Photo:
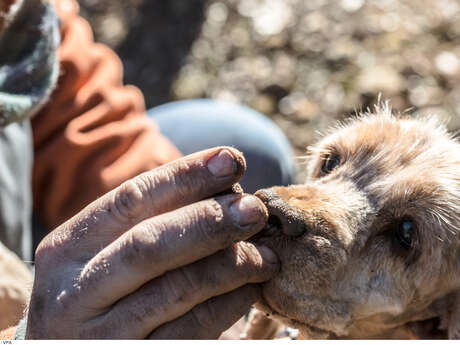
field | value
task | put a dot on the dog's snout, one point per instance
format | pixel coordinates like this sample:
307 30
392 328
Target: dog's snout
266 195
281 215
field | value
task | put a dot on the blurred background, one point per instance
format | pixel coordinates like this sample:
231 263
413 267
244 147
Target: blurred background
304 63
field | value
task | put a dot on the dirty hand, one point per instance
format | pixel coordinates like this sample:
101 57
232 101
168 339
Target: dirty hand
155 258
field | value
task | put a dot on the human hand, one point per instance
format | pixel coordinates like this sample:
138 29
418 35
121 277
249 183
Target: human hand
155 258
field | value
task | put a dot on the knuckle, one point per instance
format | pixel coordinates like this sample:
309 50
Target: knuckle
205 315
46 253
90 275
178 289
136 248
191 283
210 222
173 182
127 202
183 178
191 176
148 183
247 259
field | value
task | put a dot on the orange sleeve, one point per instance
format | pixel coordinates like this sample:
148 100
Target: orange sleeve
94 133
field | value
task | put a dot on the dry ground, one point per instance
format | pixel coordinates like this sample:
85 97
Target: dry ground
303 63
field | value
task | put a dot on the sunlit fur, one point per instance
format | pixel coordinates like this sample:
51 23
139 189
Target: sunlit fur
346 276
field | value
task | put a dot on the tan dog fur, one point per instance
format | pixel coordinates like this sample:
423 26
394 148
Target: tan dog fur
346 274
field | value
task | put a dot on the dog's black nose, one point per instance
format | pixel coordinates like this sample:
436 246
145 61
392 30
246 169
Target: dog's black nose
286 218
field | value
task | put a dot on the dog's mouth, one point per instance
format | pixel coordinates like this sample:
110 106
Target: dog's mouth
273 236
271 229
307 329
281 232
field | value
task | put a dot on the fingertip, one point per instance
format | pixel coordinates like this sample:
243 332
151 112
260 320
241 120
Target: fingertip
268 255
225 162
240 160
248 211
236 153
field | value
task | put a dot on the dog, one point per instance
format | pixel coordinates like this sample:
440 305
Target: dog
370 245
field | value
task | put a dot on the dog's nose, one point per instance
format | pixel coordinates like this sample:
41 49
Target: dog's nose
281 215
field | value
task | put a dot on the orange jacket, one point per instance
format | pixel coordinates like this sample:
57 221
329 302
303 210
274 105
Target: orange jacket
94 133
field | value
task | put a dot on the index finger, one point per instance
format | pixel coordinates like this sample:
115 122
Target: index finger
171 186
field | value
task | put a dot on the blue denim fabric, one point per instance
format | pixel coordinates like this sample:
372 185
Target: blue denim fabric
195 125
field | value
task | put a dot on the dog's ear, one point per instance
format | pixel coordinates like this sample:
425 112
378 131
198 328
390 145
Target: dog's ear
453 319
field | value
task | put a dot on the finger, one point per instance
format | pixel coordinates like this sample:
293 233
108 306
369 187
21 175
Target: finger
166 188
211 318
169 241
168 297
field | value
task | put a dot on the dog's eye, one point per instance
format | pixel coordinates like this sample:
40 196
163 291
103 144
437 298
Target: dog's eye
405 233
330 163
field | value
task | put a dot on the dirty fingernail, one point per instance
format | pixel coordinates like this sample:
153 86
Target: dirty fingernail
223 164
247 210
268 254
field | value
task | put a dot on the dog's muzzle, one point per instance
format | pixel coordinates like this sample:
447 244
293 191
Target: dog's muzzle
282 217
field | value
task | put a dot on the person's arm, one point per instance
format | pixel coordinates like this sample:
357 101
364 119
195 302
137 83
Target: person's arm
94 133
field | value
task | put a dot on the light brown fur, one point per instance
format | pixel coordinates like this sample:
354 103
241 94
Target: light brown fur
344 273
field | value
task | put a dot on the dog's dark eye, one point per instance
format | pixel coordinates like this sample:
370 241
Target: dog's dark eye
330 163
405 233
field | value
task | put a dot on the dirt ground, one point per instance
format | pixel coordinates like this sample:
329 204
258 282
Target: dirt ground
305 64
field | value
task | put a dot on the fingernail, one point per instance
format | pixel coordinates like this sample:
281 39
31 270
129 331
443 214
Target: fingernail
247 210
268 254
222 164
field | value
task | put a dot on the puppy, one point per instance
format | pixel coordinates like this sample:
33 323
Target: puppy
369 245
